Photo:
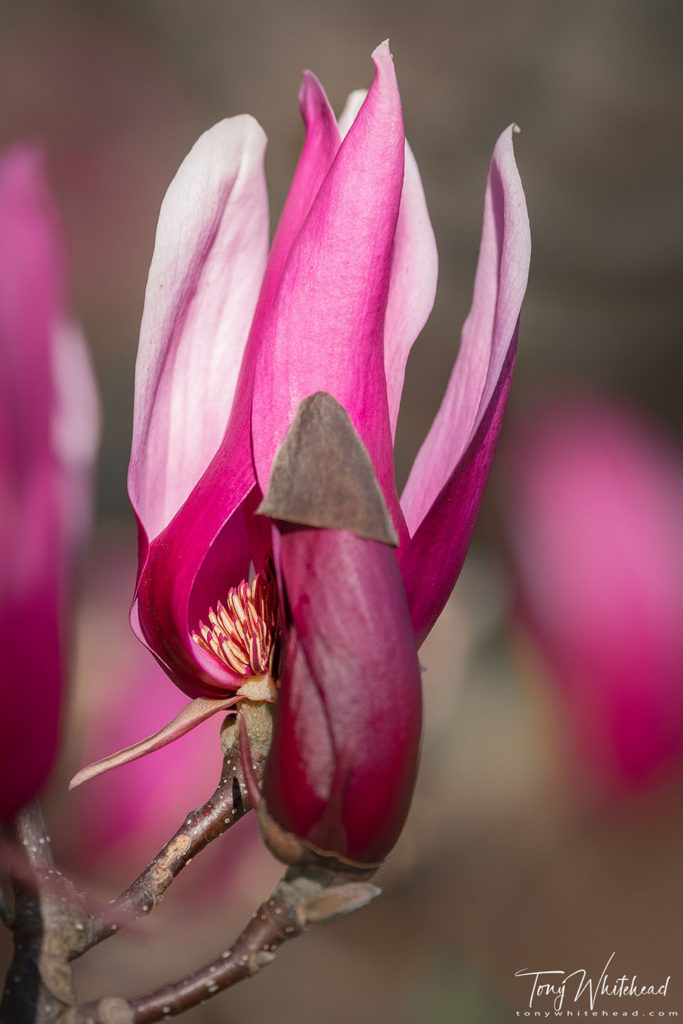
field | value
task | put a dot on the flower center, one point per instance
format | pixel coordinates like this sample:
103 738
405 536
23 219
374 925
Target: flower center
241 633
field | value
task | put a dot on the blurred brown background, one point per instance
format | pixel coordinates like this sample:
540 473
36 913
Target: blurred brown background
503 866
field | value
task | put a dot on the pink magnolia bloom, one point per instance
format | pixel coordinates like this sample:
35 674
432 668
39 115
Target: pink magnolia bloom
48 431
297 358
594 515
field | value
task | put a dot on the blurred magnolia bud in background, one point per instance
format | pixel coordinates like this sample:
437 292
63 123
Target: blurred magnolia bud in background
593 512
49 428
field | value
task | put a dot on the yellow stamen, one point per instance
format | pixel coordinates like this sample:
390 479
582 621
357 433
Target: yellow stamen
241 633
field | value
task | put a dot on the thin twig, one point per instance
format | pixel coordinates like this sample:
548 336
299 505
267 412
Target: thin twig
303 896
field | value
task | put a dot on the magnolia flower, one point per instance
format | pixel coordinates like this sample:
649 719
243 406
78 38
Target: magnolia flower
593 515
48 433
267 396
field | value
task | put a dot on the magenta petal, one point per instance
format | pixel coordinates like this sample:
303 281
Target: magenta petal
188 569
444 490
204 280
342 766
40 477
319 150
414 270
594 507
324 330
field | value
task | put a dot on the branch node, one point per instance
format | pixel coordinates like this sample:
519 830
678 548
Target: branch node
113 1010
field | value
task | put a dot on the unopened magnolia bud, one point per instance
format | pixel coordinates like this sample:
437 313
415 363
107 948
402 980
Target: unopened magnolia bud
341 769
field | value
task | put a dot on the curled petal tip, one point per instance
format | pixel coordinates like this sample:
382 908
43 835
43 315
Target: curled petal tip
308 80
382 54
307 83
313 102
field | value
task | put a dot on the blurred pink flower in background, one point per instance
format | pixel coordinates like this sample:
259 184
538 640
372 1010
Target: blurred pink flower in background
594 518
48 437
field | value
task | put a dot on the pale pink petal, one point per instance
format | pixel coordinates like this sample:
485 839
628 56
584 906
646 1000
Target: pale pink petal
75 430
204 281
412 289
354 101
444 490
324 330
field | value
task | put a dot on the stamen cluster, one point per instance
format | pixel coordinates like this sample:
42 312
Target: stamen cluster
241 632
